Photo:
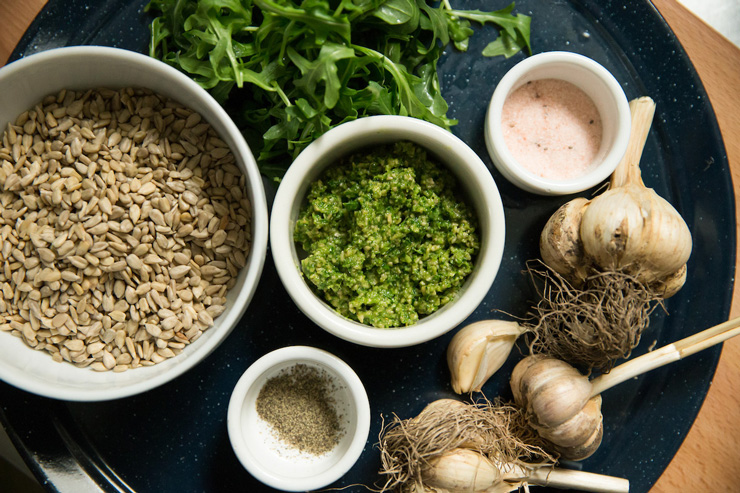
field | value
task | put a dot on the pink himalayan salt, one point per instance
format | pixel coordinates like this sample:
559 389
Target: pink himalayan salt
552 128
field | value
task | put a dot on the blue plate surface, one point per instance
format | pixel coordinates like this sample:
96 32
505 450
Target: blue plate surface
174 438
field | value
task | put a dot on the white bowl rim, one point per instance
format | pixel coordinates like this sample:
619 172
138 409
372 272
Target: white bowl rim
287 354
257 254
528 180
282 244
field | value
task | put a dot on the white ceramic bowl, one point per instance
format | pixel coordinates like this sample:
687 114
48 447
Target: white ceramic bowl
23 84
276 464
472 175
593 79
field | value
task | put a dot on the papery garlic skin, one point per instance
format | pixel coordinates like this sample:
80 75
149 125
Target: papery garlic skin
559 405
441 406
550 390
632 228
584 450
560 242
461 470
577 430
478 350
670 285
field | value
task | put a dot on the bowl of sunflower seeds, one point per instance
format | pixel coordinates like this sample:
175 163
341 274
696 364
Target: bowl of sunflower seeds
133 223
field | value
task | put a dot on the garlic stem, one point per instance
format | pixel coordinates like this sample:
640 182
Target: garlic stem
628 169
577 480
667 354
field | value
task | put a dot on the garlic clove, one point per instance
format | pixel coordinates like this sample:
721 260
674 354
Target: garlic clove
461 470
560 242
478 350
518 374
442 406
585 450
671 284
577 430
551 391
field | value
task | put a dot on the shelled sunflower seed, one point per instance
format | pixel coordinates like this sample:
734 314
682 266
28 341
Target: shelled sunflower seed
123 224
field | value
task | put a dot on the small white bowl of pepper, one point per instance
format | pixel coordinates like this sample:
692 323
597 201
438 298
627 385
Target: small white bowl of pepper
298 418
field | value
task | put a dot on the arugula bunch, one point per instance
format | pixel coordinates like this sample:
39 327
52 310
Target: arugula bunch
291 70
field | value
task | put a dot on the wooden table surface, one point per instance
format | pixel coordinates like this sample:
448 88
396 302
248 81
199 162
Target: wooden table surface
709 459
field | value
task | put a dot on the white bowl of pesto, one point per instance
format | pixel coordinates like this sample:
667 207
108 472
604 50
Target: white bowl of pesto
375 295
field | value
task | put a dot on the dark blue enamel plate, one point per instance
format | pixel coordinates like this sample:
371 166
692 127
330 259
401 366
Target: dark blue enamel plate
174 439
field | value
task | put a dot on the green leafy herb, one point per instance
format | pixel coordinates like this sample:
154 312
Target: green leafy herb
288 70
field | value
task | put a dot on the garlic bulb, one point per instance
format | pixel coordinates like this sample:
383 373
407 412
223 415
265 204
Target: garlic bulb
670 285
478 350
461 470
560 243
629 227
579 429
558 401
585 449
549 389
465 471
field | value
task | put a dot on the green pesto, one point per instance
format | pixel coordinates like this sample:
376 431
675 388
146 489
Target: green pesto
388 240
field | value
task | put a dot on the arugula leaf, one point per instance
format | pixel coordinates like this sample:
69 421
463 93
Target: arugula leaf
403 15
317 16
323 68
516 28
288 70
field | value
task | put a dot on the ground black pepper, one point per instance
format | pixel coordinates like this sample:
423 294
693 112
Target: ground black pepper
299 406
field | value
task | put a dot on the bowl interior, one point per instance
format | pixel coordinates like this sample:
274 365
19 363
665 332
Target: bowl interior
475 184
24 84
590 83
272 461
598 84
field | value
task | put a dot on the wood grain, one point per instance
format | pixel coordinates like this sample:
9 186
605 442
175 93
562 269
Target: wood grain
16 16
709 459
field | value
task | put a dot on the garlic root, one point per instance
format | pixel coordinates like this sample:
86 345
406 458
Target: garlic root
478 350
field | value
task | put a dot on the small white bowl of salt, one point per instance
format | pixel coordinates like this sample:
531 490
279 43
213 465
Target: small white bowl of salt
558 123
